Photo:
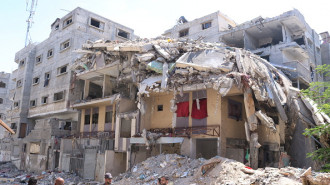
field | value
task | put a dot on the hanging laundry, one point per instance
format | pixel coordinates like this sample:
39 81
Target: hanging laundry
202 111
182 109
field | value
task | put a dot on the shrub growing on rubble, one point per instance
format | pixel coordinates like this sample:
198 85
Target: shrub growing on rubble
320 93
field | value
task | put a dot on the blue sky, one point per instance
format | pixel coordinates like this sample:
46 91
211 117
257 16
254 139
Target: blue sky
149 18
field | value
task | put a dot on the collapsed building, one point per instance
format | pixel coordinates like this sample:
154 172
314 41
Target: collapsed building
286 41
45 88
110 105
187 97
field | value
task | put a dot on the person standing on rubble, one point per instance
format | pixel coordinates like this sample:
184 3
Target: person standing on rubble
163 180
107 179
59 181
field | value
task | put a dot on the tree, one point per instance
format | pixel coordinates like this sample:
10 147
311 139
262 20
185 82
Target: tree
320 93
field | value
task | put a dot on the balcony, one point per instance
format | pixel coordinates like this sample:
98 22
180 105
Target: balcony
298 72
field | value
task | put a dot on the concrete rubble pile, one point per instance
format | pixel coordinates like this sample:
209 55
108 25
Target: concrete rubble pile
168 65
218 170
9 174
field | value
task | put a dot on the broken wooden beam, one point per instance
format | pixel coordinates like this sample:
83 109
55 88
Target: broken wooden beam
4 125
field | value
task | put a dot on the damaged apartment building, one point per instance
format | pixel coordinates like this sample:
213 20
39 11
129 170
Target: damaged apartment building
45 88
5 104
92 107
187 97
286 41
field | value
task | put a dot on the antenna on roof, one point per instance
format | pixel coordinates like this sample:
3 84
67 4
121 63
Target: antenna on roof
32 10
65 10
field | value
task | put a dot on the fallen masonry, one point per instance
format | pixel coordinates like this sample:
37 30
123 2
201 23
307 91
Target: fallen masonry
177 95
219 170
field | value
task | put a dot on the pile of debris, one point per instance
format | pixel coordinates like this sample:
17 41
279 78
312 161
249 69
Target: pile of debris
180 65
9 174
218 170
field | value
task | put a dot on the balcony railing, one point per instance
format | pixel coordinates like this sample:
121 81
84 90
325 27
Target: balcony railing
97 134
209 130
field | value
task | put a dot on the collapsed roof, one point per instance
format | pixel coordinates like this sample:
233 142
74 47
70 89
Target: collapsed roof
167 65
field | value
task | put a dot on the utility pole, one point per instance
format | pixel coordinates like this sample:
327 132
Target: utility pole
33 6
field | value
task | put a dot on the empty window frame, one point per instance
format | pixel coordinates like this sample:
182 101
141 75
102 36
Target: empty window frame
1 101
67 22
206 25
160 108
234 110
96 23
184 32
13 126
64 45
87 116
47 79
95 116
33 103
2 84
21 63
58 96
16 104
123 34
44 100
1 116
57 27
35 80
50 53
38 59
62 70
19 83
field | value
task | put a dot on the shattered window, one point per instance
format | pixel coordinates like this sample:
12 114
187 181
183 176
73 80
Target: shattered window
206 25
59 96
234 110
44 99
95 117
35 80
19 83
184 33
16 104
2 84
47 78
38 59
65 45
32 103
50 53
123 33
67 22
21 63
62 70
96 23
87 117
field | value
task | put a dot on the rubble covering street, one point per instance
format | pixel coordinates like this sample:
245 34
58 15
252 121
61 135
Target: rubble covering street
183 170
9 174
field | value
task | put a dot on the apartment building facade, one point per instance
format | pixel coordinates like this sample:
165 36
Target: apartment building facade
45 87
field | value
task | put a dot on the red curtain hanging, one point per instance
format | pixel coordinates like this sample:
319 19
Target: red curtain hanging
202 112
182 109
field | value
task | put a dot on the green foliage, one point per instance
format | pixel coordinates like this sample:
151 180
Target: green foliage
320 93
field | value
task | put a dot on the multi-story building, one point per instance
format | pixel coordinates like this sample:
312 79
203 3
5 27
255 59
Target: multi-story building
204 28
286 41
5 103
45 88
